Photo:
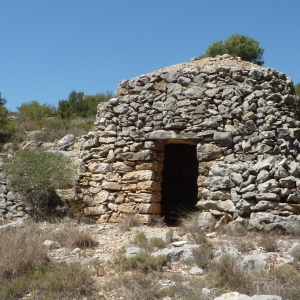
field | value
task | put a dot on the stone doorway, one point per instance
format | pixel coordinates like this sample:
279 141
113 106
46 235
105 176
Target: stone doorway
179 181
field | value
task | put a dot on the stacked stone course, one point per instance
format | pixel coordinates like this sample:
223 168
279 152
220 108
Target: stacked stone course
243 118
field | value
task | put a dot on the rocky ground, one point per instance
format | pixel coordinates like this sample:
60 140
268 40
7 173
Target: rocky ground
252 251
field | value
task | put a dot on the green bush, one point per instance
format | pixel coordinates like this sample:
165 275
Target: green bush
140 240
35 175
55 128
143 261
11 132
35 112
226 275
150 244
237 45
297 89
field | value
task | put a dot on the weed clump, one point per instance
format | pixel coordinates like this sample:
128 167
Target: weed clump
69 235
190 226
143 262
25 268
203 255
268 242
49 281
150 244
21 249
127 221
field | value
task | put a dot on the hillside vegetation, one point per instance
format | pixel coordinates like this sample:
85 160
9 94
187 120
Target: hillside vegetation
74 115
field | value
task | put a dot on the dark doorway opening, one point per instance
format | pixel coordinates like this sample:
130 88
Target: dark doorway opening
179 181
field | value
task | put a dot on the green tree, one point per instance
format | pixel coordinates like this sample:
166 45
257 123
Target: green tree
3 112
2 100
64 110
79 105
297 89
237 45
34 111
35 175
7 128
92 101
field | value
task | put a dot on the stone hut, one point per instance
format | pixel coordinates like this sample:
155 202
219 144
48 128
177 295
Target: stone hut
217 134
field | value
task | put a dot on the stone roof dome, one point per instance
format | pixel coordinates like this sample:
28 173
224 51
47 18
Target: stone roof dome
228 126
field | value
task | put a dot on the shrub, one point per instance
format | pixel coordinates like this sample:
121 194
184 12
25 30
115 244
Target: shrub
140 240
143 262
203 255
268 242
150 244
156 243
35 112
225 274
35 175
245 245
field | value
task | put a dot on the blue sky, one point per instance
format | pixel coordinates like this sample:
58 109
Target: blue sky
48 48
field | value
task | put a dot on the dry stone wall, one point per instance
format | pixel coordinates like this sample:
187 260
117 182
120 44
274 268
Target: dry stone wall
243 120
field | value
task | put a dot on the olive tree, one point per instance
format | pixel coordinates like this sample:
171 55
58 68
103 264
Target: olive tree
36 174
237 45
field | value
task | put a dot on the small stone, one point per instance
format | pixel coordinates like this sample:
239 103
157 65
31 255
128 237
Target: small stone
196 271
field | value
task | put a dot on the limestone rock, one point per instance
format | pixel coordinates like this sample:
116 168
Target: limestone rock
136 176
220 205
218 182
66 142
208 152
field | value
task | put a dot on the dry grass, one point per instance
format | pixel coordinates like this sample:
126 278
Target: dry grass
158 221
134 286
151 286
203 255
20 249
69 235
50 281
25 267
226 275
236 230
127 221
268 242
189 225
244 245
